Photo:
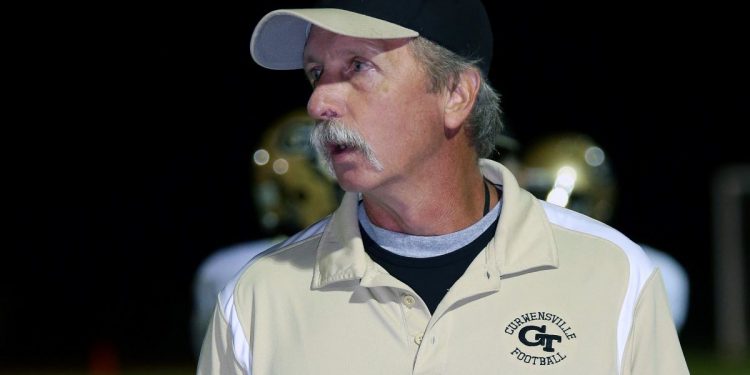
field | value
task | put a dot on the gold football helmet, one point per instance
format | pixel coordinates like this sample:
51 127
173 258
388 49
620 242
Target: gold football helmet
291 188
571 170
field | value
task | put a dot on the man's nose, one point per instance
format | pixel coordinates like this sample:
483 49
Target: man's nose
328 100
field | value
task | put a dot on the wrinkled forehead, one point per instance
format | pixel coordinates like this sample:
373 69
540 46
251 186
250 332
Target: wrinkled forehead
322 43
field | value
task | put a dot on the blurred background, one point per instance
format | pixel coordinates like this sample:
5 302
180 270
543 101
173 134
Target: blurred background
131 129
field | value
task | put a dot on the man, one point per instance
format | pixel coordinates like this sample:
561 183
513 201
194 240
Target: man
418 271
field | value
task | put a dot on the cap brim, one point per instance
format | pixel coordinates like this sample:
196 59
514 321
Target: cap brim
279 39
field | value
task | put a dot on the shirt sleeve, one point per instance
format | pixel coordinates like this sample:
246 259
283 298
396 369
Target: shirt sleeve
653 347
217 355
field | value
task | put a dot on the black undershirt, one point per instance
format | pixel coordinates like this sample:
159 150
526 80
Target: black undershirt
429 277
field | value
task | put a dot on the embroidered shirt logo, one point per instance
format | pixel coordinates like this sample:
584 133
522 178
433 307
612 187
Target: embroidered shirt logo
542 335
541 338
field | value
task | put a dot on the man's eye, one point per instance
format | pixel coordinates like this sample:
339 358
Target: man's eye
358 65
314 74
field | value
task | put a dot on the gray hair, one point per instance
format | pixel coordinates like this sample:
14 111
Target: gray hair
444 69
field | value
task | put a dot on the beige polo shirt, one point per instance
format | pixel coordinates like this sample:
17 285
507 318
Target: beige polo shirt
554 292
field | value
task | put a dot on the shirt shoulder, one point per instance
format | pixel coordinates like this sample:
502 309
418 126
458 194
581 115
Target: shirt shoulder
584 230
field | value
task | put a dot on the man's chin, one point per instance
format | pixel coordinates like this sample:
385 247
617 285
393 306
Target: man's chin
354 177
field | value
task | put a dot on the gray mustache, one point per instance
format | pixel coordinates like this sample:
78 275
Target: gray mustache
335 133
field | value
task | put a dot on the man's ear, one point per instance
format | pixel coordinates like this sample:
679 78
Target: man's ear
460 100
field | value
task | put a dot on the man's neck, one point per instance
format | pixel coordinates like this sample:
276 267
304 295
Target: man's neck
432 206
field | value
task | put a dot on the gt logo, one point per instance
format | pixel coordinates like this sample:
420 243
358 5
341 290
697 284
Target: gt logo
540 338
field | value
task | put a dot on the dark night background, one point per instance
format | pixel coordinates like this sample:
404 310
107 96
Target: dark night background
128 149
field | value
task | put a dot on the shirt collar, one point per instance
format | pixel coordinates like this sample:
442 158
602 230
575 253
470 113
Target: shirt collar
523 240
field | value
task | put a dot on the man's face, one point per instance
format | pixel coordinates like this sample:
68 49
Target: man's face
375 90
